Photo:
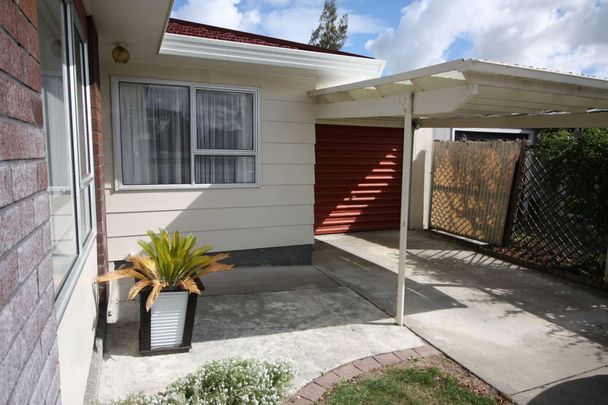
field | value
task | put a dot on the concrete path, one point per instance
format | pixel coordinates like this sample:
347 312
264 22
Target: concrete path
533 336
293 313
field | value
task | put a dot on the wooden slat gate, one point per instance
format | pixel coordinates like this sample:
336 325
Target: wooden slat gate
471 188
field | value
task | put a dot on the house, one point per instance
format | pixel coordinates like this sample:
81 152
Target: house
209 131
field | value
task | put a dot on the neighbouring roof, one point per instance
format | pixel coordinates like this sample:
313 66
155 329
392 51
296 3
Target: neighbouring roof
193 29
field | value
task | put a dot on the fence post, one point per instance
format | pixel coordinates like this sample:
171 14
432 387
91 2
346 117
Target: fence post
431 179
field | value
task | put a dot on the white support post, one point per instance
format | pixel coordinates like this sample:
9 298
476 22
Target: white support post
408 135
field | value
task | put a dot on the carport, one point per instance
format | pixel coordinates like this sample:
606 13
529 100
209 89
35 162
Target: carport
464 93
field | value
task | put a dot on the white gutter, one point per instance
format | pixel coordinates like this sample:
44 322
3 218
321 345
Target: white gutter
205 48
167 18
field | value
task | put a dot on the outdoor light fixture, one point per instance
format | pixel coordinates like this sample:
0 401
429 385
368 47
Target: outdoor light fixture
120 54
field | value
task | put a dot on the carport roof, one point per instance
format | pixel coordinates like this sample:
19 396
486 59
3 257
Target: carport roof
473 93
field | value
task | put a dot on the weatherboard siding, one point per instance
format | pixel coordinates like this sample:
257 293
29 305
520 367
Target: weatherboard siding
205 219
162 200
277 213
239 239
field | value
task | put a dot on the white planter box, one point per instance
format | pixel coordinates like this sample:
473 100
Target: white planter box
167 320
168 326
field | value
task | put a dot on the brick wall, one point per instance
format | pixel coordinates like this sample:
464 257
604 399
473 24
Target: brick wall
28 344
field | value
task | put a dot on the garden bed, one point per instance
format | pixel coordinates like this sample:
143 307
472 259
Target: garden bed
430 380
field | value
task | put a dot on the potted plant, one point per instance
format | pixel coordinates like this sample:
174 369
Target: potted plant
168 283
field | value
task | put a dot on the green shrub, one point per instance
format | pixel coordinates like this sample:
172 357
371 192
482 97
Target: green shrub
577 163
171 261
224 382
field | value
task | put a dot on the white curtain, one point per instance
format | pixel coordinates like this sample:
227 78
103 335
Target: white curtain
224 169
224 120
155 134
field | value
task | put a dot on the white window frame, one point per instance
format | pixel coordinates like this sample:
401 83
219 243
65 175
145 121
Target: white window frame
192 87
83 182
70 22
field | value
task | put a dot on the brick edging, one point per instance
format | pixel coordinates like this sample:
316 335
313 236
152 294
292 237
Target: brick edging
314 390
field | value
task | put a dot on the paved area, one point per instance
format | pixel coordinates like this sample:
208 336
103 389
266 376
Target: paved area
533 336
293 313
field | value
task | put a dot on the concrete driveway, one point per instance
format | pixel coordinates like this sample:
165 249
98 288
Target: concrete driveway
292 313
533 336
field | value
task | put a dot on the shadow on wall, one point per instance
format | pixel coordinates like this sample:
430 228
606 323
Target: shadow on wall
377 178
191 211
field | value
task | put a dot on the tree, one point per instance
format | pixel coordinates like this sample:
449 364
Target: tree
329 34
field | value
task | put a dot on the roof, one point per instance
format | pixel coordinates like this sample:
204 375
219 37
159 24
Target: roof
193 29
463 93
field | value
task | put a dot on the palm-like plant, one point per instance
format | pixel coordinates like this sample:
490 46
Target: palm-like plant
171 261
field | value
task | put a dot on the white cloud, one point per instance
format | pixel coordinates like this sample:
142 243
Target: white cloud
284 3
222 13
286 19
293 23
362 24
568 35
297 22
277 3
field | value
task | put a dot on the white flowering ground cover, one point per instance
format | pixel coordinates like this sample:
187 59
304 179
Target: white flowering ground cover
224 382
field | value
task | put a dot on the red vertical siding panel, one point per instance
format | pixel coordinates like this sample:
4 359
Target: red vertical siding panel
357 178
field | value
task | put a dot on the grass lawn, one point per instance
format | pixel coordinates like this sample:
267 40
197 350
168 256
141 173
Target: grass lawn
421 382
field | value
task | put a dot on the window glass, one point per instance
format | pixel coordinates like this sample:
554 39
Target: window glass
224 169
81 108
58 139
85 211
224 120
155 134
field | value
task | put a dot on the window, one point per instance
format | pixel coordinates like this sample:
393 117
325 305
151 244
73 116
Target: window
66 112
224 151
155 134
184 135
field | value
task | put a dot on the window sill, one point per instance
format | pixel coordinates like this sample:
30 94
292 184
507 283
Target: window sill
183 187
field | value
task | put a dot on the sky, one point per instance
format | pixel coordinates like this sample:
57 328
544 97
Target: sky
564 35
